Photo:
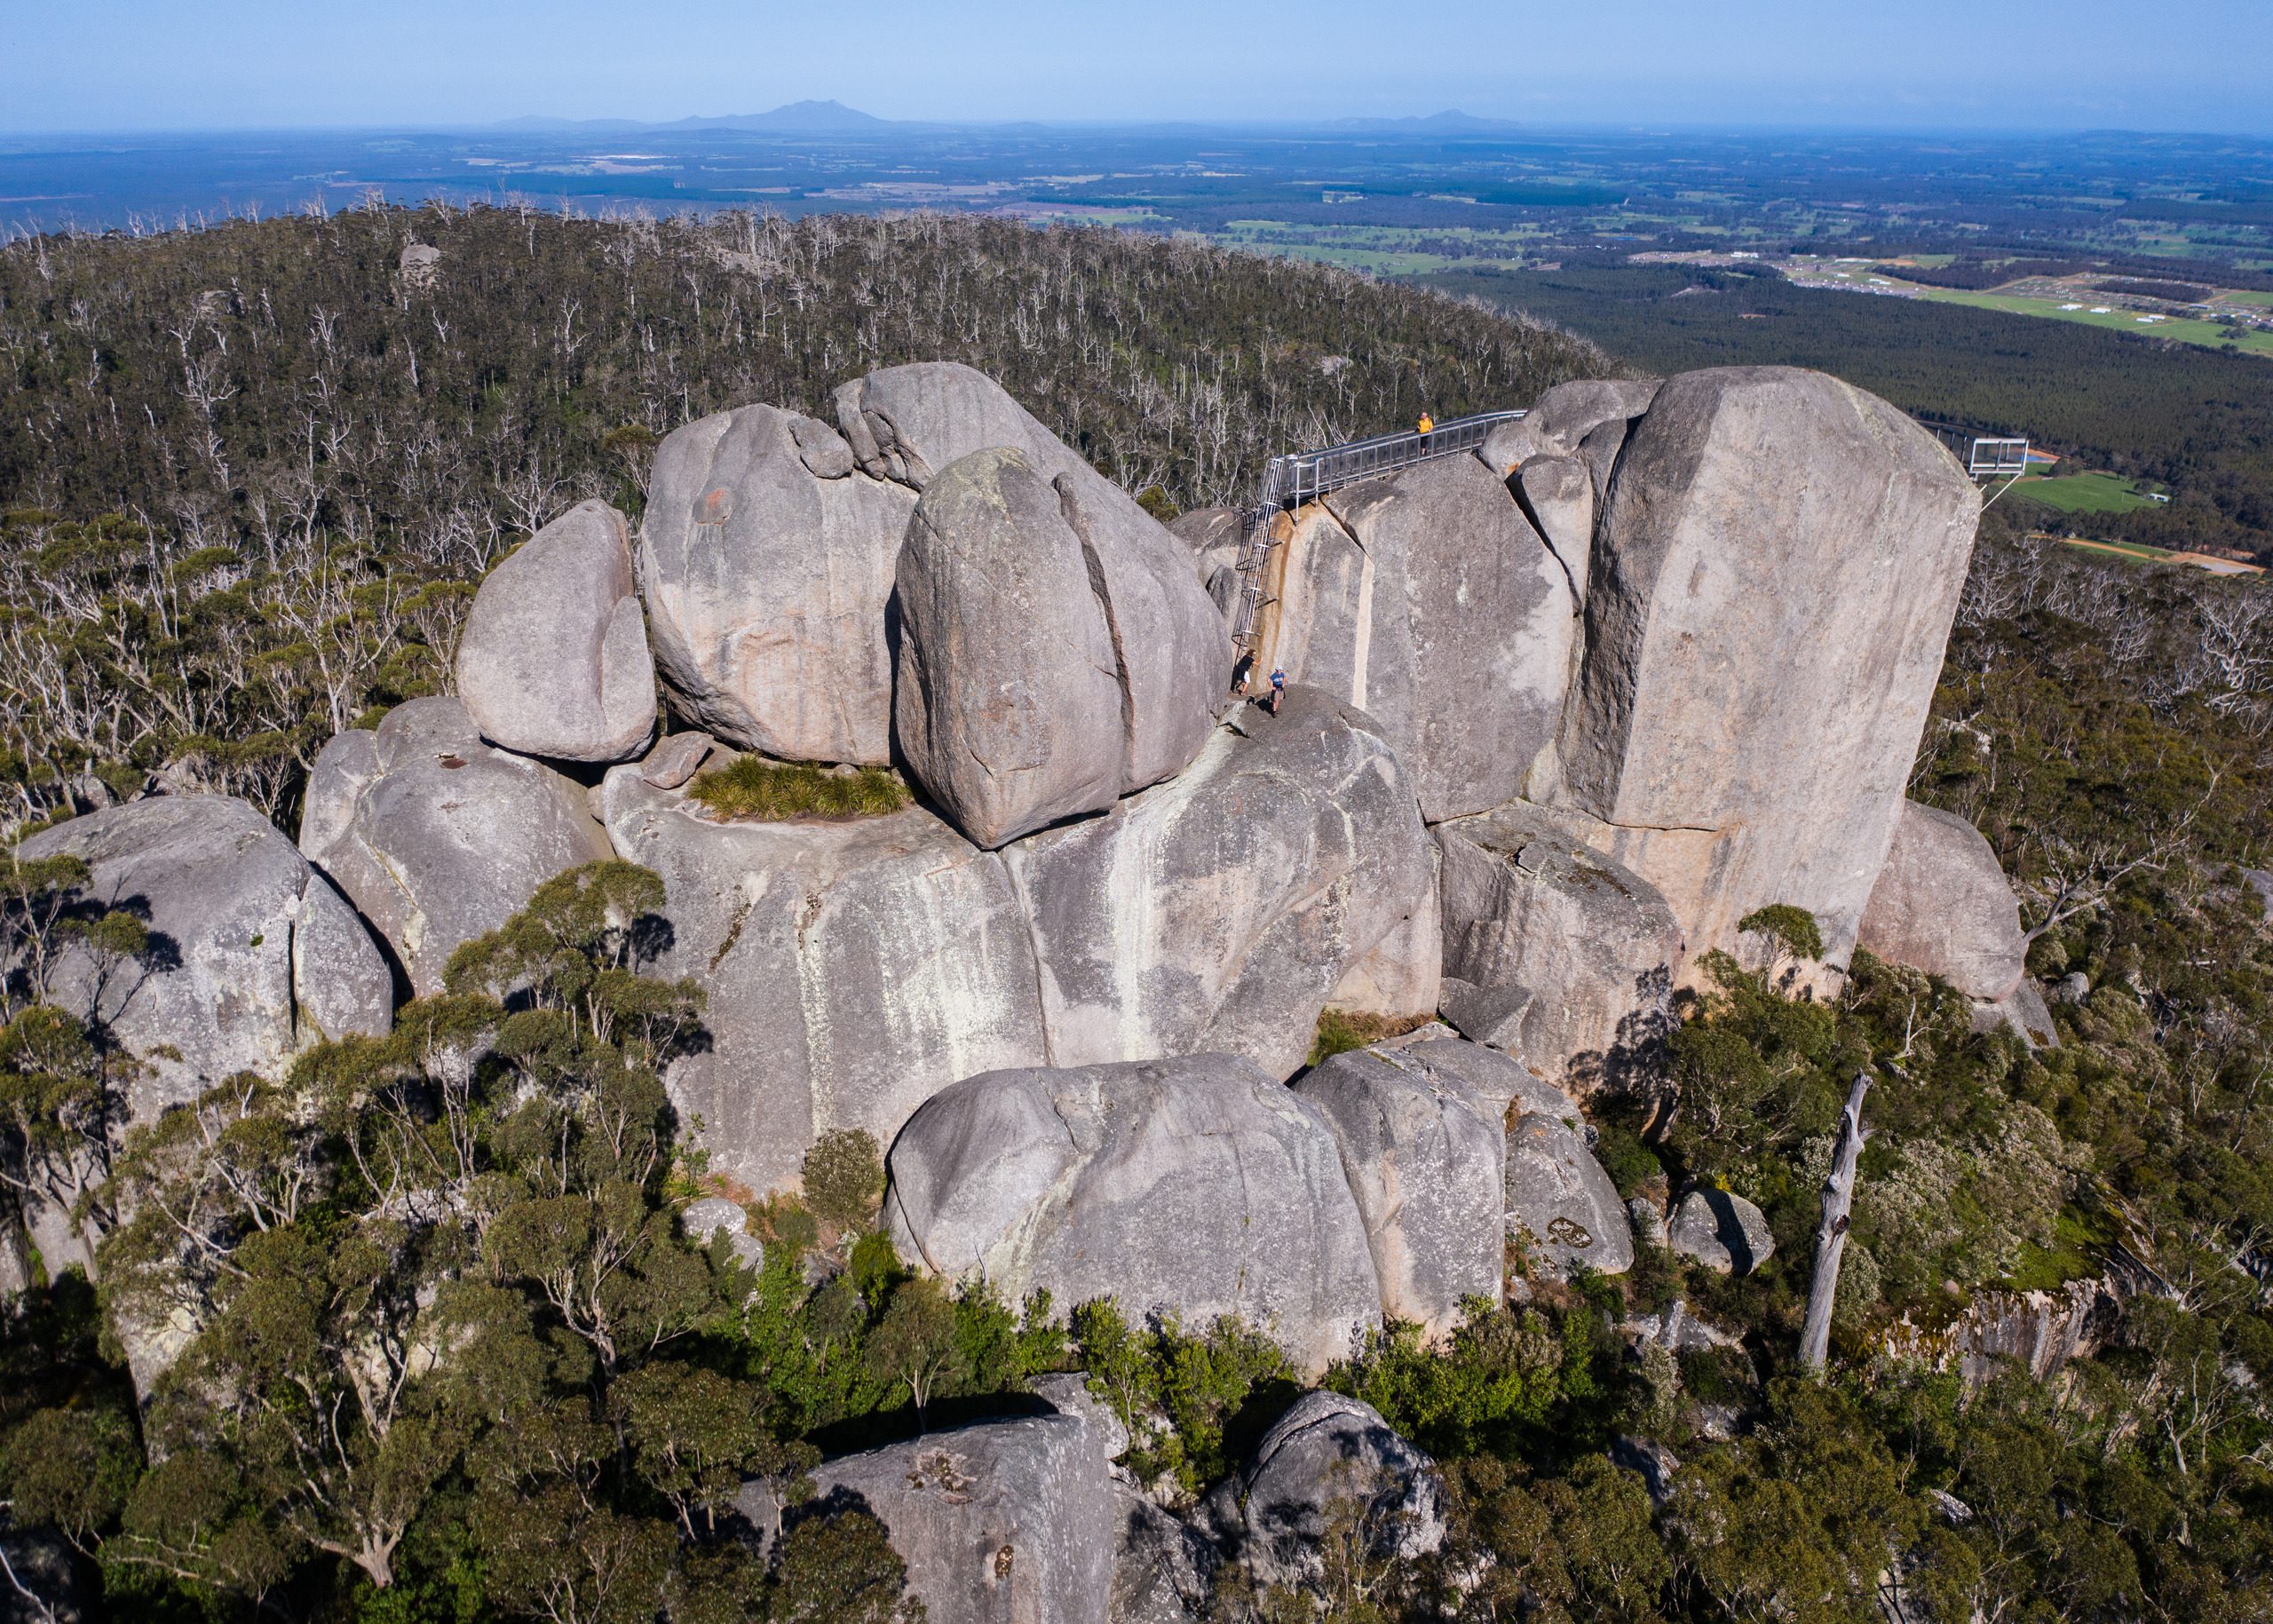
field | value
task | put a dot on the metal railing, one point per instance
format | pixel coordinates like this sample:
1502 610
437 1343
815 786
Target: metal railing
1304 476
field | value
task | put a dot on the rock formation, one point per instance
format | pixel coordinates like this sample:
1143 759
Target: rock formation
853 969
553 660
768 561
1528 908
1427 600
1561 1205
1425 1157
437 838
1773 579
1721 1230
1327 1449
1009 1519
1056 653
254 955
1941 905
1219 911
1197 1187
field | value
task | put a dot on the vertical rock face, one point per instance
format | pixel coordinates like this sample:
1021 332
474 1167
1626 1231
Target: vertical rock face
1056 650
1526 904
1425 1157
1427 599
1772 583
1941 905
254 958
768 561
853 969
437 838
554 659
1220 911
1004 1522
1198 1186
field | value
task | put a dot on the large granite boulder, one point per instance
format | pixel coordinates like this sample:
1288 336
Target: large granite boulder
1721 1230
254 956
1328 1449
1220 911
853 969
908 424
768 560
437 838
1560 1202
553 660
1002 1522
1941 905
1426 599
1425 1157
1526 904
1772 583
1568 413
1196 1187
1056 651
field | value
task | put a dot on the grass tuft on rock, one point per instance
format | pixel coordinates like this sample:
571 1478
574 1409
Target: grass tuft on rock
750 789
1340 1031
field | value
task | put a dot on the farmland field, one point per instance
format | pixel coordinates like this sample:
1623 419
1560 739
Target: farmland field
2084 493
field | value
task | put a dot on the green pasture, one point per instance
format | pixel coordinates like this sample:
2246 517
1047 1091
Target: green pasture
2082 493
2182 329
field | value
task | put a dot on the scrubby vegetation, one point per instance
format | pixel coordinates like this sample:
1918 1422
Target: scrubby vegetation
249 475
754 789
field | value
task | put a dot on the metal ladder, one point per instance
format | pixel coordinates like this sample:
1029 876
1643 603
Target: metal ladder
1289 481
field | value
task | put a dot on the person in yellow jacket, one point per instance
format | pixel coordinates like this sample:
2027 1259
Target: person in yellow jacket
1427 422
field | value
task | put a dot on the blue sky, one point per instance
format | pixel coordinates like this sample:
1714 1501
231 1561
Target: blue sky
2199 65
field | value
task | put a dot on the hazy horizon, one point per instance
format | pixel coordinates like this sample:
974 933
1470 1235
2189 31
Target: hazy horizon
113 67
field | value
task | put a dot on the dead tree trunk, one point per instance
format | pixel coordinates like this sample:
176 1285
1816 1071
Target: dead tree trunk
1831 1231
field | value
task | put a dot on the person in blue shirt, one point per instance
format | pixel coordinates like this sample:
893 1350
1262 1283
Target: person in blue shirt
1278 688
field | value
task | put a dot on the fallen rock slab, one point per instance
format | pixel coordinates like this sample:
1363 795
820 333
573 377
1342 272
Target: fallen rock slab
553 660
1219 911
437 838
254 956
1943 905
1527 905
1425 1157
853 969
768 560
1196 1187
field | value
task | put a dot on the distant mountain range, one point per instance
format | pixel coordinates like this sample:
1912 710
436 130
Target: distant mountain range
834 118
797 118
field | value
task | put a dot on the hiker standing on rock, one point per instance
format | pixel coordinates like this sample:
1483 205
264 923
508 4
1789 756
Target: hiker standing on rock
1278 688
